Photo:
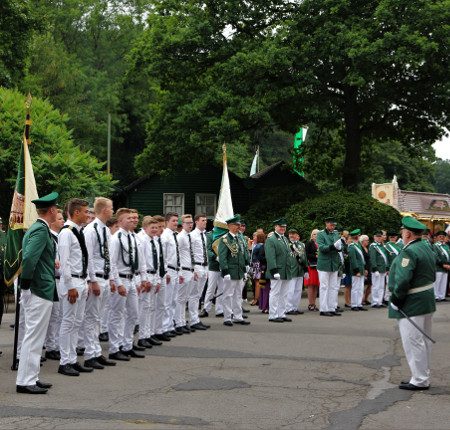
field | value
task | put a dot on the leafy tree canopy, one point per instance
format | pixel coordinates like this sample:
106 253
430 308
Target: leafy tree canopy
222 71
442 177
59 164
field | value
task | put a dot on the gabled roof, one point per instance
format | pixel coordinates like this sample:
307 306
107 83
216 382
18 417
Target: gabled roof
267 170
424 203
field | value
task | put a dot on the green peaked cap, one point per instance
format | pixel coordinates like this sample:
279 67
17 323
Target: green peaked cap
281 221
412 224
236 219
46 201
355 232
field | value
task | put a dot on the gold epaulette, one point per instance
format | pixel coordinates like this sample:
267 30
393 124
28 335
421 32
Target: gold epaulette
270 234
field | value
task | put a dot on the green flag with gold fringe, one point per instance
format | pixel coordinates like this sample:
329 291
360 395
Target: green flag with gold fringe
23 212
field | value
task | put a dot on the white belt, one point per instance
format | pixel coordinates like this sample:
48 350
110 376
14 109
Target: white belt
420 289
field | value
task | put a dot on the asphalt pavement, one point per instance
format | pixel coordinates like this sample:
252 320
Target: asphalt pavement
312 373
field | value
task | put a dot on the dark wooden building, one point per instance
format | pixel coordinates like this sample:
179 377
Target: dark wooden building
198 192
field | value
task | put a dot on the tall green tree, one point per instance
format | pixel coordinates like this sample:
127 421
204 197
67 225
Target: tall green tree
442 176
224 70
17 27
59 164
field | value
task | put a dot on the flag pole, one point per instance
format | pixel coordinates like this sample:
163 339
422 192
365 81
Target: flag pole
26 138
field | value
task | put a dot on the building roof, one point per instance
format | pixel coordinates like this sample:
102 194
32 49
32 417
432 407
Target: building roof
429 204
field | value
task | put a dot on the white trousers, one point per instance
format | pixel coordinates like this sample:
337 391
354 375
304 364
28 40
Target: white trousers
215 280
328 290
170 302
386 290
417 348
105 313
52 337
195 293
232 296
184 291
160 308
357 291
440 285
294 294
277 298
378 281
37 313
92 320
123 317
147 309
72 317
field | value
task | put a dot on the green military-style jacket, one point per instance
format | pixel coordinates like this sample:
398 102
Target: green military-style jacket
328 259
393 250
245 246
38 261
213 264
411 280
277 255
232 257
356 259
379 258
298 263
442 253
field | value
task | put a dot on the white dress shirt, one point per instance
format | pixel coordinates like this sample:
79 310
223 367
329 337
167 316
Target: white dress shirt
169 248
96 262
185 249
199 246
118 265
70 255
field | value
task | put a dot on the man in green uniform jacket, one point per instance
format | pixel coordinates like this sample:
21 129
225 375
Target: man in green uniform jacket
38 290
278 271
442 252
232 265
411 285
357 271
328 262
379 265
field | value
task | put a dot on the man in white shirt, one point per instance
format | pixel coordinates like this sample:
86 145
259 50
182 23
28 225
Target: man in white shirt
200 257
74 261
124 301
52 338
172 257
98 243
187 272
147 298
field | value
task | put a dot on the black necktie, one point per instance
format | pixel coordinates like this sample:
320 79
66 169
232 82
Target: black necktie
162 271
205 258
106 252
155 256
190 250
178 253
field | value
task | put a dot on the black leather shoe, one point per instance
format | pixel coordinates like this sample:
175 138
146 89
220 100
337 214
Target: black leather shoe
243 322
338 309
80 351
228 323
185 330
68 370
203 314
356 309
299 312
277 320
169 334
362 308
327 314
191 329
43 359
52 355
199 326
162 337
244 316
30 389
291 313
132 353
144 343
404 382
136 329
412 387
153 341
347 306
138 347
286 319
205 325
104 362
119 355
45 385
103 337
219 315
77 366
336 314
245 311
93 363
